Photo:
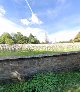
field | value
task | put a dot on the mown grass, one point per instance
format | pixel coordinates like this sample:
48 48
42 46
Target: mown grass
31 52
48 82
25 53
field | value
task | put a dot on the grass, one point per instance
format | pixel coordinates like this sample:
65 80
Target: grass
48 82
30 52
24 53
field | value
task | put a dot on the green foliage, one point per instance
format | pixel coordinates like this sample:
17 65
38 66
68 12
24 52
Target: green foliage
9 41
5 37
17 38
47 82
33 39
1 41
77 38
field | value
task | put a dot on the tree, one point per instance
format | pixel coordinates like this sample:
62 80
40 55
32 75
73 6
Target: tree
20 39
9 41
33 39
6 39
77 38
1 40
17 38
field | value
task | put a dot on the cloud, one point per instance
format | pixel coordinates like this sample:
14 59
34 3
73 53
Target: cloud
38 32
25 22
2 11
63 35
8 26
35 19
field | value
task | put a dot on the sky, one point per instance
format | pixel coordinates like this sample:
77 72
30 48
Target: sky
58 19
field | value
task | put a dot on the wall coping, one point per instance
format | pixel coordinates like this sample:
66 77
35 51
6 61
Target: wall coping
13 58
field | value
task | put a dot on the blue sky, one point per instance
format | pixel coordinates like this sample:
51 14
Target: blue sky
59 19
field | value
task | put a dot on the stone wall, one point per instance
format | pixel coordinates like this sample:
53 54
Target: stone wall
19 67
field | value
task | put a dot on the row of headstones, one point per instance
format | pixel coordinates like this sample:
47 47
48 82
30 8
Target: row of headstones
55 47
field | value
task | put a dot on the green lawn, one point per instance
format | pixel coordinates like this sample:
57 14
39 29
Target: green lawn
49 82
30 52
25 53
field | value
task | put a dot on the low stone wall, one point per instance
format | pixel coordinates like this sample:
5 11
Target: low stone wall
19 67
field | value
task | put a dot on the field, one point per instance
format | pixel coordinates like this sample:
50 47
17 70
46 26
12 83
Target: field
49 82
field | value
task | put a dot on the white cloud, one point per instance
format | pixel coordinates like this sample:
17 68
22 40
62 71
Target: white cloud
39 33
25 22
63 35
2 11
58 36
7 26
35 19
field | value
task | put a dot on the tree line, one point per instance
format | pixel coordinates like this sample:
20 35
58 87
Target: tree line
18 38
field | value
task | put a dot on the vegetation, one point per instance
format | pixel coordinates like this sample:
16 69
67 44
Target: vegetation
17 38
46 82
24 53
77 38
